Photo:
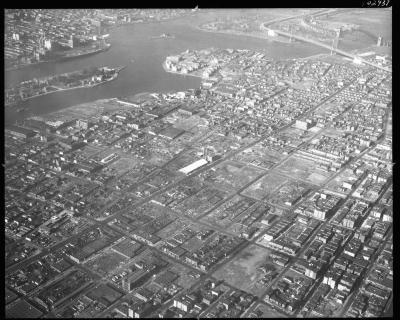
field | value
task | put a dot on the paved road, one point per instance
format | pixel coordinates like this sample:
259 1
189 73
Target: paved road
371 265
315 232
195 173
229 155
319 12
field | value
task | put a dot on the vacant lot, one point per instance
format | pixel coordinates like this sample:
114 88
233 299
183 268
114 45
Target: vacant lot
181 161
233 175
86 110
369 20
201 202
124 164
336 184
189 123
89 151
173 228
225 214
296 135
184 280
268 312
260 155
264 187
242 271
289 192
106 262
302 169
192 244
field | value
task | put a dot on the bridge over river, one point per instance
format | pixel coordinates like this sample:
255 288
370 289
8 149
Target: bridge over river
324 45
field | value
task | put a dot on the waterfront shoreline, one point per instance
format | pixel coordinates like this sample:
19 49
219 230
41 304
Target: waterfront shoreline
179 73
236 33
26 65
60 59
59 114
48 103
64 89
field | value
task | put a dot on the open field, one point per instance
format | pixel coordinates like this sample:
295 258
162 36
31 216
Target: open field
242 271
260 155
173 228
266 311
22 309
336 185
331 132
162 178
297 136
123 164
302 169
224 215
184 280
368 19
201 202
154 210
137 173
190 123
85 110
104 293
88 151
327 108
10 295
301 85
106 262
264 187
231 175
192 244
181 161
157 158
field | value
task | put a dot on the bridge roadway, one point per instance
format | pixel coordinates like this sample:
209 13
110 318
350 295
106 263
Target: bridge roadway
324 45
319 12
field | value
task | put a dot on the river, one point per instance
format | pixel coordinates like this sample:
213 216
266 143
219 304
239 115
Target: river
146 73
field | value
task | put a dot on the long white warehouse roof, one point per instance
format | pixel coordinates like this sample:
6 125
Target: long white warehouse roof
193 166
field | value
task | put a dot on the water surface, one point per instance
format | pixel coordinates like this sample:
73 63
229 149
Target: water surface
145 74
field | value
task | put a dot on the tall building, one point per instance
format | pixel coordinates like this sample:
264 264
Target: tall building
127 283
338 32
379 42
82 124
47 44
305 124
71 41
